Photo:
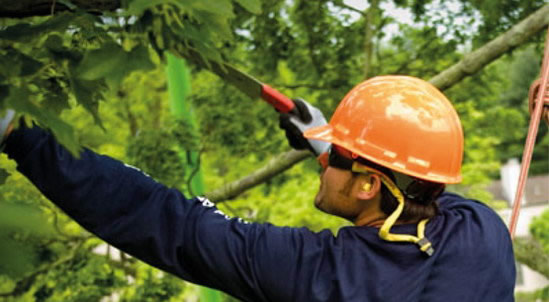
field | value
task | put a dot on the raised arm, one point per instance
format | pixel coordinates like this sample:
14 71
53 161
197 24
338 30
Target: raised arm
187 237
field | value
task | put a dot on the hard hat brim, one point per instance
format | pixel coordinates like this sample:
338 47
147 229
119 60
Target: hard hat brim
322 133
326 133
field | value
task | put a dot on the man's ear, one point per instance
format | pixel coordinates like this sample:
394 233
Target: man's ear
369 186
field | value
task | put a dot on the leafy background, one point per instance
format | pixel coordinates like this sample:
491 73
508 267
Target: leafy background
96 78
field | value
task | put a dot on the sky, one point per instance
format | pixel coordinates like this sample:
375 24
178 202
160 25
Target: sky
438 8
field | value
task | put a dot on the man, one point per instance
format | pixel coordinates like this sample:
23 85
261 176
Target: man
395 142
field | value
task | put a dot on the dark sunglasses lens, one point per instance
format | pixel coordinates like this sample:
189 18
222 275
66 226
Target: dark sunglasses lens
339 161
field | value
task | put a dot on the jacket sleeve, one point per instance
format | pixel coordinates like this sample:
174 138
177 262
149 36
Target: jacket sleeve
186 237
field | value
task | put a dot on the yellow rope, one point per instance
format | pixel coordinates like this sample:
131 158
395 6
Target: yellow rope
384 231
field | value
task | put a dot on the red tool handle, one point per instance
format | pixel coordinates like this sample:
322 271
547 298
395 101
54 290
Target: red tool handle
281 102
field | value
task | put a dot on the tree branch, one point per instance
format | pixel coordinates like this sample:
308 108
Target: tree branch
372 15
404 67
30 8
469 65
492 50
280 163
529 251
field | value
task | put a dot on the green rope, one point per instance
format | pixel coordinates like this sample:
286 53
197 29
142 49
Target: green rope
179 88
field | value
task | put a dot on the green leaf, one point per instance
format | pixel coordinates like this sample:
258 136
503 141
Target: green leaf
218 7
22 257
218 24
253 6
88 94
56 102
9 68
3 176
137 7
101 62
20 100
59 53
17 32
4 93
15 63
18 254
29 66
112 63
54 42
25 32
137 59
23 216
68 4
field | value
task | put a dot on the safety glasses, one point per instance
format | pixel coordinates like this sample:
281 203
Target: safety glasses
334 158
412 188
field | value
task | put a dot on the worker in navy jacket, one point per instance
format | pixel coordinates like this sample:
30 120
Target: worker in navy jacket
387 153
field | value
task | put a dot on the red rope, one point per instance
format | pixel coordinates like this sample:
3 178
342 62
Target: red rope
539 98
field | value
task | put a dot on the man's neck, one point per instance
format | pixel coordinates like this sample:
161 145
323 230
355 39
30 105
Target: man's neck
371 215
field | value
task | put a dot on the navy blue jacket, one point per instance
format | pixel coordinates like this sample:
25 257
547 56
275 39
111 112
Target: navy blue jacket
190 238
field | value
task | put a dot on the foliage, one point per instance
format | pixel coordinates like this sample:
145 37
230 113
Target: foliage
499 15
534 252
46 62
530 252
539 228
87 277
160 153
538 295
152 286
23 225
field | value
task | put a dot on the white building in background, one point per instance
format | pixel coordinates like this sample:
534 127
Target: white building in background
535 200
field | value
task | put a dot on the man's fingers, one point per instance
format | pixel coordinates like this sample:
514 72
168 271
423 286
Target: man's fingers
303 111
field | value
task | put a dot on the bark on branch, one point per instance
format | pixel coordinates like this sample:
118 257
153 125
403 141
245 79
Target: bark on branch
470 64
278 164
30 8
492 50
373 14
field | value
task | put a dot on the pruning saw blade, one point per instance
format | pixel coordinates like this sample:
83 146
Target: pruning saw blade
244 82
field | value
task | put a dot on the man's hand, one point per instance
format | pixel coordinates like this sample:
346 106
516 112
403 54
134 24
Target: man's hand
301 118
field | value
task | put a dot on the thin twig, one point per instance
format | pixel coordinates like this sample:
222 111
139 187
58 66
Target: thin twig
52 7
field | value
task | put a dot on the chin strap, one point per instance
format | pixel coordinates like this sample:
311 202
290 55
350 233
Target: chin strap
384 232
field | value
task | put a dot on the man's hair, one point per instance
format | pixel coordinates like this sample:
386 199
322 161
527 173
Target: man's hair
422 207
417 209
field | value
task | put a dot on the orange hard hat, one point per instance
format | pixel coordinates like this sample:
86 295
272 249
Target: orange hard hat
402 123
